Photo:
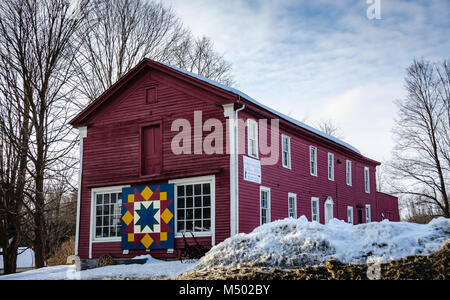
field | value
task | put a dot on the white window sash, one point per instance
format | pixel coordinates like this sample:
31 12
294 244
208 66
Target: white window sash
349 172
252 138
315 213
313 160
366 180
266 208
331 166
286 151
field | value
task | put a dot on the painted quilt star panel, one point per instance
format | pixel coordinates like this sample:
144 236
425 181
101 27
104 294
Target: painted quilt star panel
148 217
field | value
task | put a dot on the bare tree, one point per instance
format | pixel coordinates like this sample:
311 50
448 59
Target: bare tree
420 159
118 34
197 55
39 49
330 128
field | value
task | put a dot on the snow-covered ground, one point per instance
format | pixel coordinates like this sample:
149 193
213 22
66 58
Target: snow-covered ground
297 242
153 268
285 243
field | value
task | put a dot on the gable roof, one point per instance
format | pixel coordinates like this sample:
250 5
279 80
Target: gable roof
228 90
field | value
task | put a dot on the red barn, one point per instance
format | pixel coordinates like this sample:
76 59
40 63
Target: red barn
164 151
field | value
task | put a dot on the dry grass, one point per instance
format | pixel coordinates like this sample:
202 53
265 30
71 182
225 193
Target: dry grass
65 250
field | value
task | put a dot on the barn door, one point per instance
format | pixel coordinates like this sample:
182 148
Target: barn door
151 150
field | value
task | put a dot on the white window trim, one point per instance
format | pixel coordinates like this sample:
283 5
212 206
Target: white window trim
292 195
313 172
350 215
348 172
327 218
367 180
315 199
368 215
269 215
283 137
331 174
198 180
251 122
92 238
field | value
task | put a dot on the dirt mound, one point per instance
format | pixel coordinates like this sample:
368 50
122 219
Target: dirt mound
426 267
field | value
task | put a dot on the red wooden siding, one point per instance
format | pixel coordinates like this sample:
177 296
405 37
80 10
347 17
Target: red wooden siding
112 149
129 143
297 180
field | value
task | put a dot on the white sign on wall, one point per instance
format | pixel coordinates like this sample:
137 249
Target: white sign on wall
252 170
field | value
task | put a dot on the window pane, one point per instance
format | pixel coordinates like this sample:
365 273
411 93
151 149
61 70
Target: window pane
98 232
198 189
106 199
189 202
206 189
198 213
207 225
180 190
198 226
198 201
180 214
99 210
181 203
189 225
180 225
99 199
206 213
113 198
189 190
189 214
206 201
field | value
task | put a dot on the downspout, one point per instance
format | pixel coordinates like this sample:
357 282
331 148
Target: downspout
232 116
83 135
236 127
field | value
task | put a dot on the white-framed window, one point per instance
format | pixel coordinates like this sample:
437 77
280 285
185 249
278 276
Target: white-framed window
107 214
193 201
331 166
368 214
313 160
315 209
252 138
329 210
264 205
366 180
286 151
292 205
350 215
348 168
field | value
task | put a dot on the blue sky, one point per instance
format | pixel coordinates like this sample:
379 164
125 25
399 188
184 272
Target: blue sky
325 59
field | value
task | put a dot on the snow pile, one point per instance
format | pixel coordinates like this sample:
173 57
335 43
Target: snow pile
152 268
297 242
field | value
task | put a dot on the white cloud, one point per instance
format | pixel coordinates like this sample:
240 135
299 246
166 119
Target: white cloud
325 59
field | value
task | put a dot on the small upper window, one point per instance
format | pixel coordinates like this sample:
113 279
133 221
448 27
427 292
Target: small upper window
252 138
331 166
286 151
349 172
366 180
151 96
313 160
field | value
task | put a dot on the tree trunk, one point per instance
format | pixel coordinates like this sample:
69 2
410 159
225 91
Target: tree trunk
10 260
